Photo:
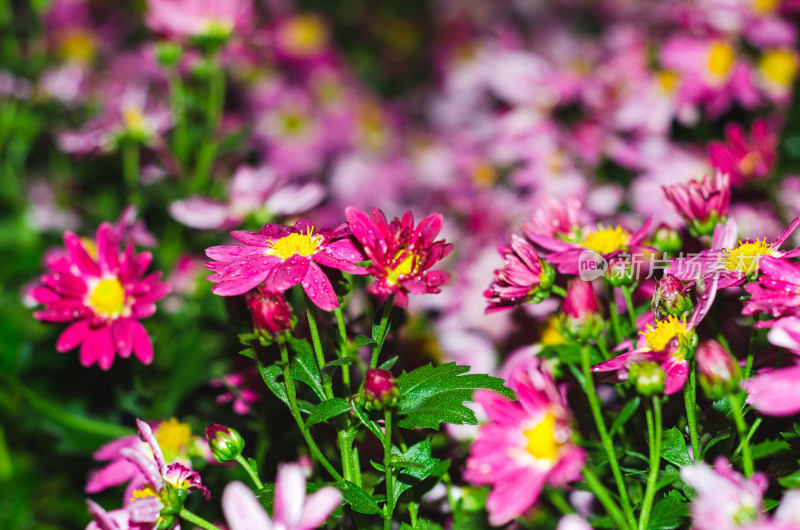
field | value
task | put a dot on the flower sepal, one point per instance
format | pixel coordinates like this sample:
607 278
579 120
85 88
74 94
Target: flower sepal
647 377
226 444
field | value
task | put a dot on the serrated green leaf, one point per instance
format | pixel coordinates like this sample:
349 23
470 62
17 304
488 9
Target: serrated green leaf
328 409
673 448
670 512
304 366
624 415
363 340
358 499
417 454
768 448
432 395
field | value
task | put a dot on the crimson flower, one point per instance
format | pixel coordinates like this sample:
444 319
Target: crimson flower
103 294
401 253
524 277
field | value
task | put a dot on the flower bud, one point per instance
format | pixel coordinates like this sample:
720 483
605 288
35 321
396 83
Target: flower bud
271 313
582 319
648 378
719 371
671 298
380 388
225 443
667 240
168 53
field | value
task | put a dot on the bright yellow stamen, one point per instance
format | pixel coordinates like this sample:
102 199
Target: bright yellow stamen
744 258
667 81
133 119
550 335
542 441
779 67
77 45
763 7
657 338
305 244
484 175
173 437
147 491
605 240
403 268
293 123
305 34
108 298
720 59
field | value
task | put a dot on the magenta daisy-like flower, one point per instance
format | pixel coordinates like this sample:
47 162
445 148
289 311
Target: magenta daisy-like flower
401 253
777 290
102 292
704 203
526 444
282 256
523 278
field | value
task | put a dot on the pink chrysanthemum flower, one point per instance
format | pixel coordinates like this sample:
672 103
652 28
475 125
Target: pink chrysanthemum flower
745 158
293 510
607 242
526 444
775 392
401 253
556 218
777 290
725 499
732 264
283 256
103 294
523 278
242 389
703 204
198 18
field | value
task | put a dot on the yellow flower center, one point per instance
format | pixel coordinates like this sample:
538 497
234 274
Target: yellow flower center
763 7
219 29
403 268
108 298
720 59
133 119
484 175
293 123
605 240
542 443
305 34
173 437
779 67
658 337
77 45
667 81
147 491
744 258
305 244
550 335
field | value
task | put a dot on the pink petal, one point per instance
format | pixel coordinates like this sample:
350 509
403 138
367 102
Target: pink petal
228 253
92 345
72 336
147 433
107 249
79 256
775 393
318 507
202 213
512 497
142 347
242 509
113 474
122 333
290 493
288 273
319 289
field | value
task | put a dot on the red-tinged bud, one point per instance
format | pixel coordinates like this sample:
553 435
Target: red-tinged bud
719 371
671 298
581 320
380 388
225 443
271 314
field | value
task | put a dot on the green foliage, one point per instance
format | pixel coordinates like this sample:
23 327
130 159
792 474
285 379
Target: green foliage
432 395
304 365
670 512
673 448
327 410
420 455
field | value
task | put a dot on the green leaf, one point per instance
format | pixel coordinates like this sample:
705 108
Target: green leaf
249 352
270 375
363 340
768 448
388 363
673 448
304 366
670 512
624 414
714 441
432 395
419 454
327 410
790 481
422 524
358 499
363 417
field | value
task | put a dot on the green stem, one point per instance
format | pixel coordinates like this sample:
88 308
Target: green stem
387 464
312 326
250 471
751 351
557 289
604 496
612 309
690 400
741 427
556 498
130 171
178 100
628 292
381 337
196 519
654 434
605 438
291 395
343 351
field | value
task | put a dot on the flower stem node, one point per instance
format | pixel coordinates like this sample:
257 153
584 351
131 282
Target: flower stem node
648 378
225 443
380 389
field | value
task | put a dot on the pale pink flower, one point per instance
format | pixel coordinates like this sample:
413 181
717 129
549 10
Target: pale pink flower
198 18
775 392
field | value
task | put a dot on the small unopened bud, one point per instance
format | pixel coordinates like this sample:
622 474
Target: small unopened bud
380 388
582 319
225 443
271 313
168 53
671 298
648 378
719 371
667 240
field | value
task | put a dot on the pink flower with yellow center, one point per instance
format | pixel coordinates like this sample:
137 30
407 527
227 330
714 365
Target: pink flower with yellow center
283 256
702 204
745 158
198 18
102 293
526 444
523 278
401 253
